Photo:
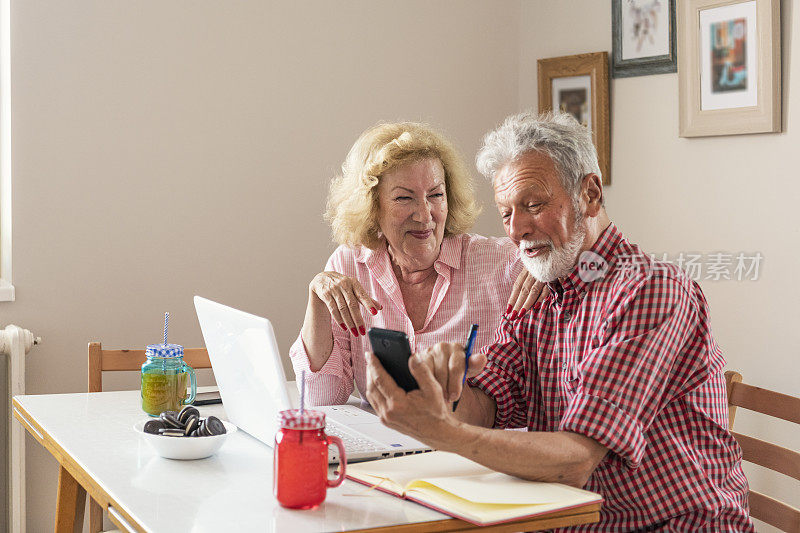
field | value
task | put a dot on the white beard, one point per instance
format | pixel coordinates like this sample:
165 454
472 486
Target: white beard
557 262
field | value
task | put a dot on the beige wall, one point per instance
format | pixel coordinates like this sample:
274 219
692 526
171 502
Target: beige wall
729 194
166 149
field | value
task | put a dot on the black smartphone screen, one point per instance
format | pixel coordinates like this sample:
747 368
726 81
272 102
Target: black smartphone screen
393 350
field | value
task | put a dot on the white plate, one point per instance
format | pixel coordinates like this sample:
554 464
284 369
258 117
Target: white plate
184 447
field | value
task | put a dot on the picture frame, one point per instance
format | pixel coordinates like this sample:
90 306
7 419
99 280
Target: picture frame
579 84
644 40
729 75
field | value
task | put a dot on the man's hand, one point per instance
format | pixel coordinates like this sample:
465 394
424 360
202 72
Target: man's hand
421 413
425 413
446 363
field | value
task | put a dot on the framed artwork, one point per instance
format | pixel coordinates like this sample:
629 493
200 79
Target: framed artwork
579 85
644 37
730 67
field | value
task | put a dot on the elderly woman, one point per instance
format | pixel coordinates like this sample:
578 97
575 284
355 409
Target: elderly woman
399 211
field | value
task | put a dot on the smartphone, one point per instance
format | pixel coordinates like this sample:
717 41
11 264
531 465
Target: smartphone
392 350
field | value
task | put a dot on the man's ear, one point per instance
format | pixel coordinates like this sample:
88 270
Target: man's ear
592 194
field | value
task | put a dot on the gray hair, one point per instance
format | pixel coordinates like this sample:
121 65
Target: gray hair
558 135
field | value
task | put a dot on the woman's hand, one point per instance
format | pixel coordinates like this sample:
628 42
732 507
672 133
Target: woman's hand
526 292
343 296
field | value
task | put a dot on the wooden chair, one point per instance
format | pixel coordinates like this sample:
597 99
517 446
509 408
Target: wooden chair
772 456
100 361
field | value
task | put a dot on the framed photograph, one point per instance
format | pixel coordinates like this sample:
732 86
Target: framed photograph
579 85
644 37
730 67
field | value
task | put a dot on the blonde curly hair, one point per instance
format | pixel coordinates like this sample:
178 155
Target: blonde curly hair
352 209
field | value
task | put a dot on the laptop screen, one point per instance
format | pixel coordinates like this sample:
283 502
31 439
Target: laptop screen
247 367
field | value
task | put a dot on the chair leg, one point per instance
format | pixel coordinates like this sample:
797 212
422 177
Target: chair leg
70 505
95 516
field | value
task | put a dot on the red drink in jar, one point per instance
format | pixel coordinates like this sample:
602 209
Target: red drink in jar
300 470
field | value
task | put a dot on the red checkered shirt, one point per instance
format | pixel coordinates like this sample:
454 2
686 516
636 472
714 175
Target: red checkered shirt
628 360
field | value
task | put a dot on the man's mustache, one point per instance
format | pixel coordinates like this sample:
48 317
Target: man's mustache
524 245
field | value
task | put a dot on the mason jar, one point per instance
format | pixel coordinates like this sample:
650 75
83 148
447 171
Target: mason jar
165 378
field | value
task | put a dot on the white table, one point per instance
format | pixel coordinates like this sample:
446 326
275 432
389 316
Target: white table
92 437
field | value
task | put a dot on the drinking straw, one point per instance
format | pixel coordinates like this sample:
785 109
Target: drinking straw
302 391
302 399
166 326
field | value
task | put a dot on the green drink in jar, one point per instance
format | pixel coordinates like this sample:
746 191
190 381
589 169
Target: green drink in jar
165 378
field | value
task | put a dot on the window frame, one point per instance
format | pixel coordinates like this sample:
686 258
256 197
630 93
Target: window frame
6 287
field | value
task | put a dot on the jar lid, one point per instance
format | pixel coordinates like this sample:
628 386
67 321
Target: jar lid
164 350
308 419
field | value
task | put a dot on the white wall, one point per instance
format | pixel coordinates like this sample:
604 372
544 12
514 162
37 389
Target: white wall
163 149
730 194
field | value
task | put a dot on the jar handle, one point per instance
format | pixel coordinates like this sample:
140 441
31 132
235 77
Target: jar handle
336 441
192 384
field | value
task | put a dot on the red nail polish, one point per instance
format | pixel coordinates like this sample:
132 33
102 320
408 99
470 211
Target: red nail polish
522 313
354 331
343 326
373 310
508 309
513 315
362 330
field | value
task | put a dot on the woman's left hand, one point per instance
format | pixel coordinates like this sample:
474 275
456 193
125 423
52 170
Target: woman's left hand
527 291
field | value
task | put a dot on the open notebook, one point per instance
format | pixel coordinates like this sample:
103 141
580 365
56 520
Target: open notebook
464 489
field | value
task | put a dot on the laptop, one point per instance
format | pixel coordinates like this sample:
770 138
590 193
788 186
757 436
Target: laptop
252 384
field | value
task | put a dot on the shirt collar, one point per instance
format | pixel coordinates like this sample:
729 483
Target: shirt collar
605 246
449 252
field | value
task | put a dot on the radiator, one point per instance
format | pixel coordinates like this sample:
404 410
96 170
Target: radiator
15 342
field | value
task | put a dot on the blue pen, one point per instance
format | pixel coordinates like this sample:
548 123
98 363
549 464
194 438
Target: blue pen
467 352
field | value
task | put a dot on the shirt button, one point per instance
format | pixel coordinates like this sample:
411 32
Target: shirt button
567 315
564 366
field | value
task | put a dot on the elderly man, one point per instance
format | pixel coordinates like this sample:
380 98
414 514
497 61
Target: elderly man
615 375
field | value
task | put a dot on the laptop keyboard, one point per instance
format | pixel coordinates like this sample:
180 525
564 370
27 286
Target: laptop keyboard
352 443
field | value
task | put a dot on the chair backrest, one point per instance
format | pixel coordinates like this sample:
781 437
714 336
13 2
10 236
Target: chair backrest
101 360
768 455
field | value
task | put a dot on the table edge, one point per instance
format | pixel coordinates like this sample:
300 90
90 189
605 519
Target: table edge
86 481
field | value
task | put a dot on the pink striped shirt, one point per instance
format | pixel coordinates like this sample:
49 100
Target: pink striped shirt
475 275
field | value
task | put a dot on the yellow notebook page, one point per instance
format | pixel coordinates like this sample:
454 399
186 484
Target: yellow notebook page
497 488
464 479
479 512
404 470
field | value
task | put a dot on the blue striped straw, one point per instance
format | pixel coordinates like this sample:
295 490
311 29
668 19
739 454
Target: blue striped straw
166 326
302 391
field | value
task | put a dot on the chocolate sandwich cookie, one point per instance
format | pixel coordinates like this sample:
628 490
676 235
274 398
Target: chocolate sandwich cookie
152 426
187 423
215 426
191 425
170 419
186 412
